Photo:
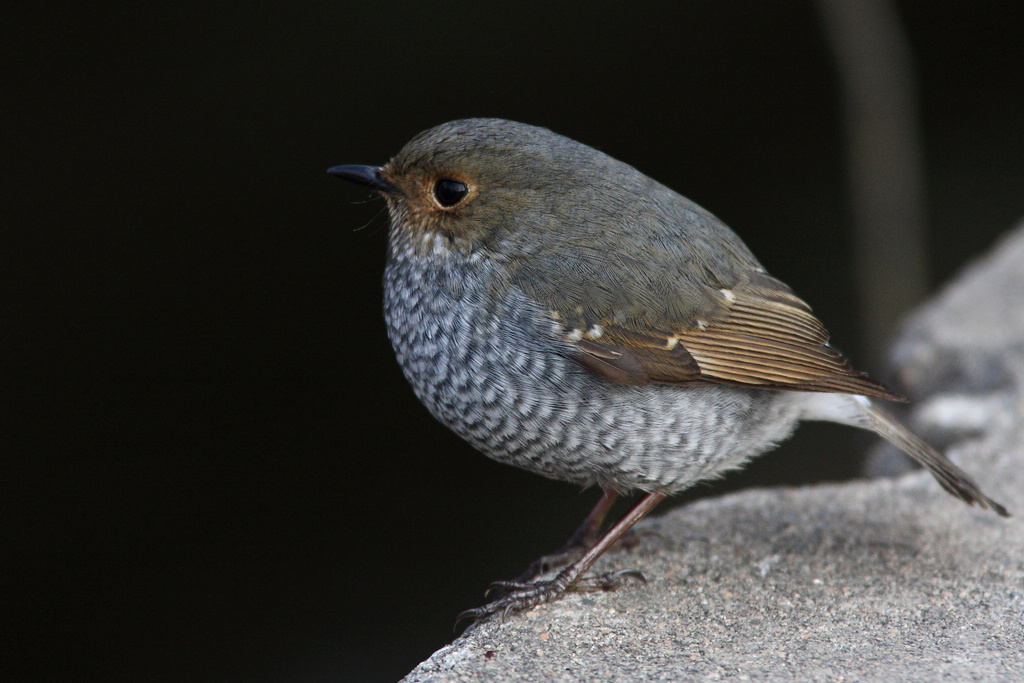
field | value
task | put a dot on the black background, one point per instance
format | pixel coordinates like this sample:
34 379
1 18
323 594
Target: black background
211 466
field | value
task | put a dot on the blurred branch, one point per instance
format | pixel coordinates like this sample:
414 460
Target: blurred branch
884 157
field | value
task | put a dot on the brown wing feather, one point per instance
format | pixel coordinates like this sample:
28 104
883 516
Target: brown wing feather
765 337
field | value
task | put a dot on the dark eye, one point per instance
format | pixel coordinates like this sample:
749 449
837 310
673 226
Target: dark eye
449 192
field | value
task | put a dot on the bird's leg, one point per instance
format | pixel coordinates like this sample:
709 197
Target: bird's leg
520 595
582 540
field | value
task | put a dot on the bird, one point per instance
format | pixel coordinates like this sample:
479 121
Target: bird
568 315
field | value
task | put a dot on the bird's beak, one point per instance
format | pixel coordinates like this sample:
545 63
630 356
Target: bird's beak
363 175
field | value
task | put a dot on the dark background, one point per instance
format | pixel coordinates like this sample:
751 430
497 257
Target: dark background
211 467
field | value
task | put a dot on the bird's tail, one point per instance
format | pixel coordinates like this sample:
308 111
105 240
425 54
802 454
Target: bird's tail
861 411
951 477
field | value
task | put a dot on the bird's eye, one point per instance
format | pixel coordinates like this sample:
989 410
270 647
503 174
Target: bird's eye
450 192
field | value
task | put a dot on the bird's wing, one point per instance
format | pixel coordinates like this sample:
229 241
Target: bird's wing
760 335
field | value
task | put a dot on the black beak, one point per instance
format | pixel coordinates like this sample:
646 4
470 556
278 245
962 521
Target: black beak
363 175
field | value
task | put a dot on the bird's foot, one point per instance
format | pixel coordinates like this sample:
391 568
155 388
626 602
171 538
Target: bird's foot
542 565
570 553
516 596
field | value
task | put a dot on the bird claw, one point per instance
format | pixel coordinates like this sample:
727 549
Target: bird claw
517 596
567 555
542 565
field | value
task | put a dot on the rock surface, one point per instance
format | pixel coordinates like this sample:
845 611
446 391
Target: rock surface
890 579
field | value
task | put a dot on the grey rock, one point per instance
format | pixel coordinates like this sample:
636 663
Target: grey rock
960 356
889 579
964 339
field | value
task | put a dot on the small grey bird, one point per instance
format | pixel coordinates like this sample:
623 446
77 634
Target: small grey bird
568 315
